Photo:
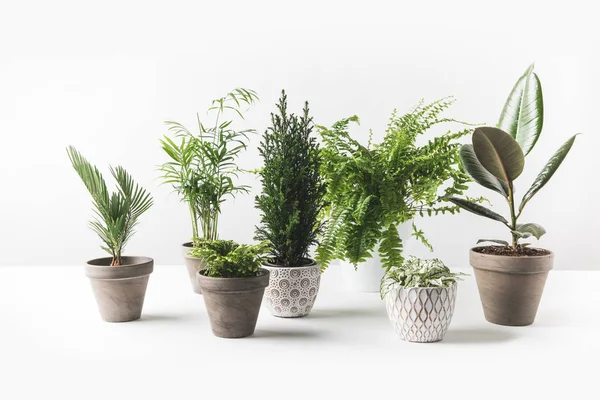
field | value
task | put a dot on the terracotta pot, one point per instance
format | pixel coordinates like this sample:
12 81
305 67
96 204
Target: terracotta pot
120 291
193 265
421 314
292 290
510 288
233 304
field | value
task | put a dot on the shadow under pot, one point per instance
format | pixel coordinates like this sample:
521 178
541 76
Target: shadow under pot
421 314
233 304
292 291
120 290
510 287
193 265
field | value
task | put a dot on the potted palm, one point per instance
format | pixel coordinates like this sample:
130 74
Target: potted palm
420 297
233 284
201 168
511 275
376 191
290 203
119 282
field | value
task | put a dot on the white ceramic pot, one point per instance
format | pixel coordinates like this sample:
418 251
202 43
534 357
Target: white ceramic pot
367 276
292 291
421 314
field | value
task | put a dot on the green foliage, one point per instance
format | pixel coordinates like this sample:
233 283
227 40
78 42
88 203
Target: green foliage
415 272
227 259
373 189
117 214
201 166
497 158
292 188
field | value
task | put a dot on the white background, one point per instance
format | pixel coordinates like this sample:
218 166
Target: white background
104 77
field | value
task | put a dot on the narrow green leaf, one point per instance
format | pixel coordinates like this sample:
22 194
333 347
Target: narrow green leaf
477 209
479 174
547 172
523 112
502 242
498 152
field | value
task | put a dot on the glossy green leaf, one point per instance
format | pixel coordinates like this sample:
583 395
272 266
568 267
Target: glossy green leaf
547 172
521 235
498 152
502 242
534 229
477 209
478 173
523 113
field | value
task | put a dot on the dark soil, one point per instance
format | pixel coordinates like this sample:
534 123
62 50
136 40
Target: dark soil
510 252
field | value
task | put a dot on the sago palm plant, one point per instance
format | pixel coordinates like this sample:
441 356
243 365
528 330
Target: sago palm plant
117 213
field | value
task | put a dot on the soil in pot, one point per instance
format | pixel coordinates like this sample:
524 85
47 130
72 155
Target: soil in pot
193 265
233 304
511 286
120 291
292 291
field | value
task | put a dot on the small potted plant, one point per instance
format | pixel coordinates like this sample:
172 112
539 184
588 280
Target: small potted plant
290 203
233 285
420 297
119 282
201 169
376 191
511 276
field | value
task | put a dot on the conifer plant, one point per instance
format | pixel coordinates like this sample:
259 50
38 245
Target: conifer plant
292 199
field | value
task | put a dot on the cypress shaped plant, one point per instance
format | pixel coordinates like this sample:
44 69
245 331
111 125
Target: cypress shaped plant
292 198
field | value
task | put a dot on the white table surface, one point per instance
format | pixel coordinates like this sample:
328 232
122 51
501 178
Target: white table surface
53 344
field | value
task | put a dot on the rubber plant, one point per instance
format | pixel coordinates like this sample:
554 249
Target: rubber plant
372 189
117 213
496 158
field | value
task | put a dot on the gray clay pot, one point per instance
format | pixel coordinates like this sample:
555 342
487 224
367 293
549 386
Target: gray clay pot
510 288
233 304
120 291
193 265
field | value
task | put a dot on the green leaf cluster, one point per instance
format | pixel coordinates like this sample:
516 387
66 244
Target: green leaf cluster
117 213
496 158
372 189
201 166
415 272
293 190
228 259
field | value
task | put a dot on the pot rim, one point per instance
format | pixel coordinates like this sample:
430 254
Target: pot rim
143 260
426 287
551 254
311 263
261 273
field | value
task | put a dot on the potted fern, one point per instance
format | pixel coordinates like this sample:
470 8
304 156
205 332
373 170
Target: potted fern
377 190
290 203
233 284
119 282
511 275
420 297
202 169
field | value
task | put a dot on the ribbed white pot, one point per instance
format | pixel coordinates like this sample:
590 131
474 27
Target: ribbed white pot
367 276
292 291
421 314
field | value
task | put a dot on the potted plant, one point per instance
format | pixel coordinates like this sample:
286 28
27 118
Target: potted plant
511 276
202 170
420 297
377 189
233 284
119 282
290 203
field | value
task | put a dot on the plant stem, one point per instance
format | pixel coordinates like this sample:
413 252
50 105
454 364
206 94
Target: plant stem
194 217
513 216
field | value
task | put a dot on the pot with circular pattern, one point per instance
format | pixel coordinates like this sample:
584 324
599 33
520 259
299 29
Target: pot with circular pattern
421 314
292 290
